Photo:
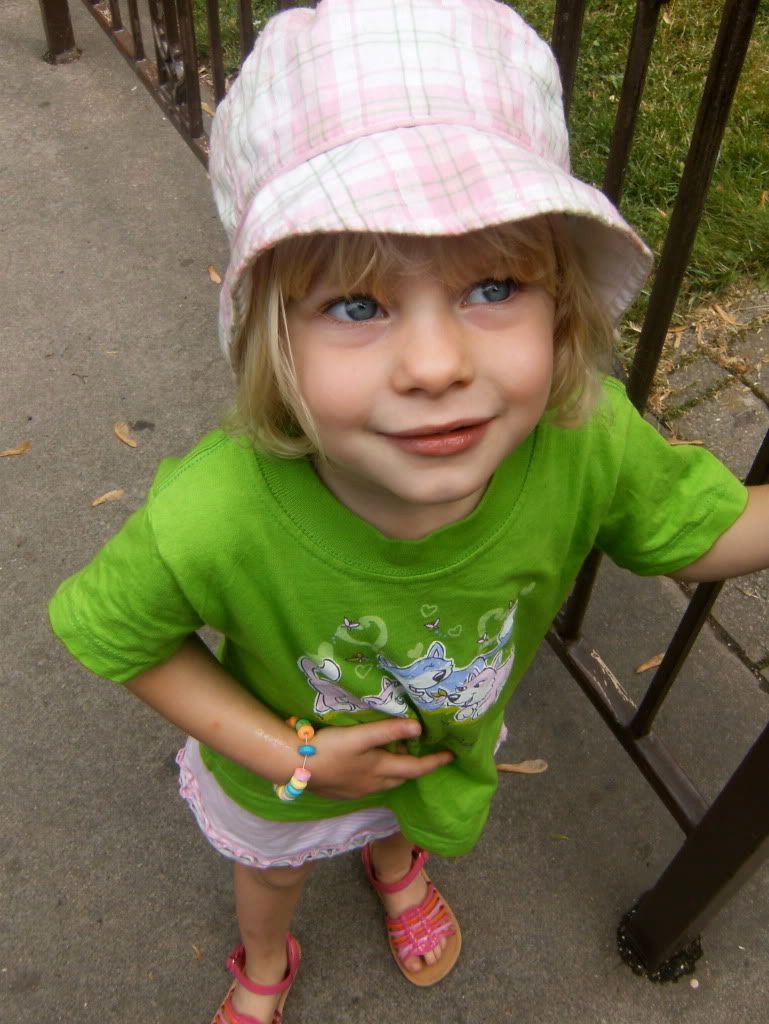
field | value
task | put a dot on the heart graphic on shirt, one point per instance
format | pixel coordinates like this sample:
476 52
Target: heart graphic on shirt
455 631
362 671
428 610
415 652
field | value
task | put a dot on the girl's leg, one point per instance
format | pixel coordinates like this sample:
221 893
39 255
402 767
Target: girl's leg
391 859
265 902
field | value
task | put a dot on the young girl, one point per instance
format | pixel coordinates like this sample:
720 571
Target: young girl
418 310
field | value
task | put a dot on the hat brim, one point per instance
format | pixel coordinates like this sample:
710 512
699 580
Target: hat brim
431 180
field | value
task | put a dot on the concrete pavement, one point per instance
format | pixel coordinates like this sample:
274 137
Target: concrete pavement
116 911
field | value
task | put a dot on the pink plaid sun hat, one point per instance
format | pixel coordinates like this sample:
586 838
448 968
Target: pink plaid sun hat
425 117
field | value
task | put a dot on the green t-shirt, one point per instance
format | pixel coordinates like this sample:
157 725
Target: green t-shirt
326 618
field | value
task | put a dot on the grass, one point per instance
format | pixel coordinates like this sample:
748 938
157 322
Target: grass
733 240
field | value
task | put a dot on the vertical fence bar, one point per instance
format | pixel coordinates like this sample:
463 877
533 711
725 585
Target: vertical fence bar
156 21
136 30
215 56
191 75
641 41
115 16
572 615
57 25
726 64
727 846
169 42
246 22
567 32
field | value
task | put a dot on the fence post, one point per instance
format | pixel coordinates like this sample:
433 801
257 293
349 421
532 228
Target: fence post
58 32
723 851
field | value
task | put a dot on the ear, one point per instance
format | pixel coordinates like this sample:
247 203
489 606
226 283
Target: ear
437 650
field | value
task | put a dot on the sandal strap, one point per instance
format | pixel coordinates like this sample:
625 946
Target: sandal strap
419 930
227 1014
236 964
419 856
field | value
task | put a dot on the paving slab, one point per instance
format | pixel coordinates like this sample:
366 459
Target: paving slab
115 909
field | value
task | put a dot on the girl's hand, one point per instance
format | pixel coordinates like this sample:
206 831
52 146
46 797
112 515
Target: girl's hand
351 761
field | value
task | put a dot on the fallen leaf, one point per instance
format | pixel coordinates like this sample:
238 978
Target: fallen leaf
214 274
559 837
115 495
651 663
197 951
121 432
667 18
20 449
682 440
727 317
764 199
533 767
209 110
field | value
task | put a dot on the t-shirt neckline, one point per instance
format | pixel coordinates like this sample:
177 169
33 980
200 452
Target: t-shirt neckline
320 518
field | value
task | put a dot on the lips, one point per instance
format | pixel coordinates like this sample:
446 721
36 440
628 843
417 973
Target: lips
446 439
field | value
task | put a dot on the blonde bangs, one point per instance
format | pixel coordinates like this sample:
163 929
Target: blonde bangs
373 263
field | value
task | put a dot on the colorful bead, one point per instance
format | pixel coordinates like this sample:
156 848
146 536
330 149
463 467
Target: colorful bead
297 784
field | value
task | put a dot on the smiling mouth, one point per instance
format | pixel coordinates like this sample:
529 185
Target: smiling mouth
447 439
442 430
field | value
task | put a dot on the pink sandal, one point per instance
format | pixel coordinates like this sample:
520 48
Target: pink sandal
236 964
418 930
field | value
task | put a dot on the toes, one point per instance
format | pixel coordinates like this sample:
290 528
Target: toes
413 964
435 954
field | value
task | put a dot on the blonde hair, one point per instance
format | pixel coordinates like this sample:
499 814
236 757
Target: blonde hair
269 407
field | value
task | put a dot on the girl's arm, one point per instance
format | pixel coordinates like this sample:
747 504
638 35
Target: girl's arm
193 691
743 548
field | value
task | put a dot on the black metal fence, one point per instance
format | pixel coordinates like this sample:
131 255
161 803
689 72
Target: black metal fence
728 839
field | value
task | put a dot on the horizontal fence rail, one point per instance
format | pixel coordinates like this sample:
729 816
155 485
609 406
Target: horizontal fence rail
727 840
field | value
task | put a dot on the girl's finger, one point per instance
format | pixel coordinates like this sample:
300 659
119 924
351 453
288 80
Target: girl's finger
404 766
380 734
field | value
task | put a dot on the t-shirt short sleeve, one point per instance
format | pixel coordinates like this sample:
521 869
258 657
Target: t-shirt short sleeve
670 505
124 612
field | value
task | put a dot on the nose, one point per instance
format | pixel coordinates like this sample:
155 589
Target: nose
433 354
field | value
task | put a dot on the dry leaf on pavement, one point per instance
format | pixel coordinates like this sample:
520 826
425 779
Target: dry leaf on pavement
214 274
727 317
121 432
533 767
651 663
115 495
197 951
20 449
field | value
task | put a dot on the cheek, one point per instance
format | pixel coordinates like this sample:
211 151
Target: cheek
334 392
527 372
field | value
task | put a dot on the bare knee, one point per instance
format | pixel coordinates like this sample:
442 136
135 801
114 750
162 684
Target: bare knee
277 879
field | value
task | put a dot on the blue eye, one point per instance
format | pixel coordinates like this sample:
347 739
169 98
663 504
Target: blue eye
490 290
358 308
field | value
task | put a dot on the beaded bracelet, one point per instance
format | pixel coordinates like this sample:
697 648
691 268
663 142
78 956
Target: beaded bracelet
297 784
